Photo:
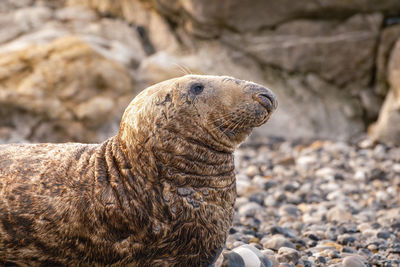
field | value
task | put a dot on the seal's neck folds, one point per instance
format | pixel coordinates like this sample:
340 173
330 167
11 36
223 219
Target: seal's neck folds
181 161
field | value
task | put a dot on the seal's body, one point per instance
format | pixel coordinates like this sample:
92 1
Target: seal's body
160 193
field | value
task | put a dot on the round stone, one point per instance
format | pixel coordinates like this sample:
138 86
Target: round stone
276 242
286 254
353 261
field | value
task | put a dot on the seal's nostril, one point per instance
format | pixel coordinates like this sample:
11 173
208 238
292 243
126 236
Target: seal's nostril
267 100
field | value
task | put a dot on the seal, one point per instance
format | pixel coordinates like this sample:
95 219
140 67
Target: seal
159 193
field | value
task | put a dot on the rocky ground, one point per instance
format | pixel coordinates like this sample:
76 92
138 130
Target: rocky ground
321 204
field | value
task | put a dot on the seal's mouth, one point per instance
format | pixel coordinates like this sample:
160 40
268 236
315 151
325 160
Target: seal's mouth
238 123
247 116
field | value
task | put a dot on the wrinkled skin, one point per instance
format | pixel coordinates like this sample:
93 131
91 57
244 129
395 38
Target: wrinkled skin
160 193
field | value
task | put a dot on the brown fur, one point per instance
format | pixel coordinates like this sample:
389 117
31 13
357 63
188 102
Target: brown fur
160 193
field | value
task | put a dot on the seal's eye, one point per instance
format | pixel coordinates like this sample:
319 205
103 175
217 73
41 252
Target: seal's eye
197 88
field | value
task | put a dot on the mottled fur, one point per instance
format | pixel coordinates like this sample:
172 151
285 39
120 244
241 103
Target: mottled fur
160 193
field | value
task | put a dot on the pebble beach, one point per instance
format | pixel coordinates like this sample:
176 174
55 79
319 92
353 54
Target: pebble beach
319 203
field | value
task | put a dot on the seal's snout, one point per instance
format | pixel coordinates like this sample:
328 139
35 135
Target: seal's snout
267 99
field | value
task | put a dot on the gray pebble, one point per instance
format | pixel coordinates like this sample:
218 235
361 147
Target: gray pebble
383 234
276 242
250 209
286 254
289 210
346 239
353 261
283 231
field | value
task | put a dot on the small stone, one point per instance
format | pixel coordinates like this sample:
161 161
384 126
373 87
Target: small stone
383 234
269 201
283 231
254 240
382 196
273 260
379 151
257 197
366 143
348 228
232 230
349 250
396 167
286 161
365 253
289 210
360 175
241 187
252 170
256 245
326 173
252 256
250 222
286 254
394 248
353 261
280 196
333 254
305 161
337 214
346 239
276 242
270 184
321 260
313 237
233 259
237 244
363 227
268 252
250 209
377 174
307 263
260 181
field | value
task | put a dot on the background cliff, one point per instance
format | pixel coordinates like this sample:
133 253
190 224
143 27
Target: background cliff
69 68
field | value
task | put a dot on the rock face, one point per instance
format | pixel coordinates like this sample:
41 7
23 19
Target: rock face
338 52
209 18
327 61
63 91
387 128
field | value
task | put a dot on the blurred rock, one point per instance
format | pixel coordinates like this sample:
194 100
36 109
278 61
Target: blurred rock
22 21
208 18
307 46
8 5
41 25
338 119
387 128
388 39
150 24
63 91
75 13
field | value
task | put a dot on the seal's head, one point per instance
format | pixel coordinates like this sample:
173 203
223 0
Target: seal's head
218 110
